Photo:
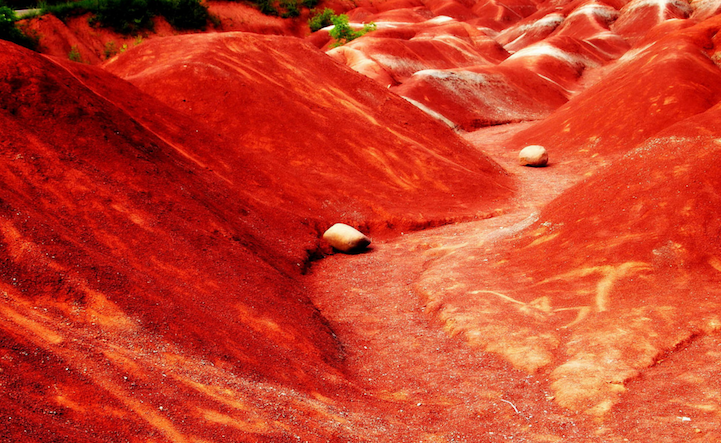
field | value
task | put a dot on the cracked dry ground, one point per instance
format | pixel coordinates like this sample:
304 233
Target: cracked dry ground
459 362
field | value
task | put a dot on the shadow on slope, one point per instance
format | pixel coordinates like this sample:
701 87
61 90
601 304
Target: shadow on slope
337 143
141 293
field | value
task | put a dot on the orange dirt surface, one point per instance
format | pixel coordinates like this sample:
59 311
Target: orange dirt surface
338 144
163 277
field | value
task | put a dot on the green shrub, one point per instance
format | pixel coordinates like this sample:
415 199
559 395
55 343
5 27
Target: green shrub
184 14
74 54
132 16
321 19
10 32
17 4
124 16
266 7
68 9
291 8
214 19
110 49
343 33
284 8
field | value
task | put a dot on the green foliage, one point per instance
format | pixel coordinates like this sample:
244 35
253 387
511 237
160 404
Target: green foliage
214 19
291 8
343 33
10 32
321 19
110 49
132 16
15 4
7 20
266 7
284 8
184 14
124 16
74 54
68 9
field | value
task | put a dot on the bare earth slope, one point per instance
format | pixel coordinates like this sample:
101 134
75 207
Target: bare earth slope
630 272
162 276
335 141
634 101
614 274
131 276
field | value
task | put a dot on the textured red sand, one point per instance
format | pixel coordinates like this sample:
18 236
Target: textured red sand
340 145
124 256
160 269
605 120
454 67
606 303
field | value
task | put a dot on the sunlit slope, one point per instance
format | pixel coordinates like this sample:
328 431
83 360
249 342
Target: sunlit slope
620 270
490 65
142 293
667 78
337 143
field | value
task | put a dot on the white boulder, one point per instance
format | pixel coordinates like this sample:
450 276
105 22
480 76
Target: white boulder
346 238
533 155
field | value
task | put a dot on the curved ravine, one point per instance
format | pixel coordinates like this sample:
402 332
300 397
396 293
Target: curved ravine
588 316
441 389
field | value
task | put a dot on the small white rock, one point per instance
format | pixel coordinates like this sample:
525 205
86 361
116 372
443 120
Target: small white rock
346 238
533 155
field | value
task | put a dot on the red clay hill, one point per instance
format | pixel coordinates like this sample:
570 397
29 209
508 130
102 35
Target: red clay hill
337 143
129 264
163 277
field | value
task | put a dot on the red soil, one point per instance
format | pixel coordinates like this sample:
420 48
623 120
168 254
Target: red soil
479 84
162 277
484 96
124 253
340 147
605 304
640 16
605 121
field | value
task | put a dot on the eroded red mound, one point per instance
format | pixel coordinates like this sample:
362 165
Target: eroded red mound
620 269
640 16
152 246
131 274
483 96
617 271
338 144
634 101
398 54
455 69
